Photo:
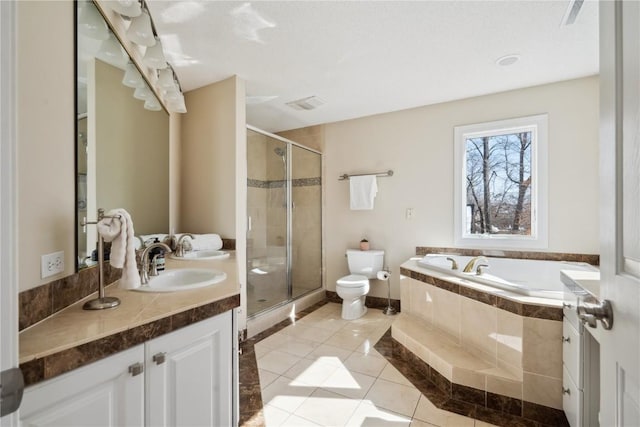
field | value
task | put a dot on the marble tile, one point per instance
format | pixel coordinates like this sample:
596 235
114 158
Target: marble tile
296 421
479 326
428 412
509 338
421 303
266 377
390 373
369 364
284 396
329 351
350 384
394 397
315 408
447 314
297 346
504 387
545 391
468 394
274 416
346 340
311 373
544 415
417 423
542 347
368 414
277 361
504 404
469 378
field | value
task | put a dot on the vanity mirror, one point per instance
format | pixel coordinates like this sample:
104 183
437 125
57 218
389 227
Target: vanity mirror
122 132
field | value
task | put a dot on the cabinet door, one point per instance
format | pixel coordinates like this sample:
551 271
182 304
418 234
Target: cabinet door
190 381
103 393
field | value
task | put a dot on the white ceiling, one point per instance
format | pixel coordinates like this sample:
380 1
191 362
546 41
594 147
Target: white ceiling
369 57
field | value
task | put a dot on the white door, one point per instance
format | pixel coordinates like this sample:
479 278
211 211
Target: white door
620 211
189 375
109 392
8 282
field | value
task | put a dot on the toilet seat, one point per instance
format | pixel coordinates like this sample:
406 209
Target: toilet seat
353 281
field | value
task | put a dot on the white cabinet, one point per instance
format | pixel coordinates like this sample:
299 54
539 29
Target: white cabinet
182 378
580 359
103 393
189 375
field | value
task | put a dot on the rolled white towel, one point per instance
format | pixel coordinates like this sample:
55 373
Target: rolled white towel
202 242
119 231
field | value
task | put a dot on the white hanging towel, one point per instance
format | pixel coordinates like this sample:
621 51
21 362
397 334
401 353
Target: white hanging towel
363 190
119 231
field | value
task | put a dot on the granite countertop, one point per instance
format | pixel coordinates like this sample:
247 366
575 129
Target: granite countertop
76 337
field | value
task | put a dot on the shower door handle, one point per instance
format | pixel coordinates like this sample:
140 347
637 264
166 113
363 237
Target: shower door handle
249 223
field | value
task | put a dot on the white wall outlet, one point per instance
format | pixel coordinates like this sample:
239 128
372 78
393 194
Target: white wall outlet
410 213
52 264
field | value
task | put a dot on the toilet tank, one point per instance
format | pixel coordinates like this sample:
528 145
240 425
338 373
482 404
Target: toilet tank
367 263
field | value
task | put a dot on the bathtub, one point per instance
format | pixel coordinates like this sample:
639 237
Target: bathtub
541 279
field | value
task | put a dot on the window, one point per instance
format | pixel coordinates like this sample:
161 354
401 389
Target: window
501 184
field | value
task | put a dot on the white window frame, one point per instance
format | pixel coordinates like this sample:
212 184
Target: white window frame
538 239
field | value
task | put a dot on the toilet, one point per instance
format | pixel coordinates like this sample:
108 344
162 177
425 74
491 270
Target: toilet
353 289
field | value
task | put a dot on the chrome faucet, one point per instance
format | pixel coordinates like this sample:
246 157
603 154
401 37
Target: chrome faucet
472 262
145 269
180 244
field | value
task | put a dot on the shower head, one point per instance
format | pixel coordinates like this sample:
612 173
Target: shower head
280 151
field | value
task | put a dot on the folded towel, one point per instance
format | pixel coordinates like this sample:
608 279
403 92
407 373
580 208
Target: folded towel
363 190
119 231
202 242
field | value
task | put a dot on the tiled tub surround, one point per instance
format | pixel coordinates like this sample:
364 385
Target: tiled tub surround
499 253
485 346
74 337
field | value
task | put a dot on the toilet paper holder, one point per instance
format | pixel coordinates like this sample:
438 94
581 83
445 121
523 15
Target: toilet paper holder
385 275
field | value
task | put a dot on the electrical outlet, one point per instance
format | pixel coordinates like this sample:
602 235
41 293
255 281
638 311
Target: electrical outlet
52 264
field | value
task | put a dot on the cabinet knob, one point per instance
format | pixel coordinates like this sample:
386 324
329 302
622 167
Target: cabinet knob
567 339
136 369
565 305
159 358
566 391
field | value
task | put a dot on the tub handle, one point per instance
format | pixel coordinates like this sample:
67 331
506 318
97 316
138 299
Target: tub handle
480 267
454 264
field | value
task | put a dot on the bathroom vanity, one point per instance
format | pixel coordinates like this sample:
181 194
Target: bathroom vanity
580 353
159 359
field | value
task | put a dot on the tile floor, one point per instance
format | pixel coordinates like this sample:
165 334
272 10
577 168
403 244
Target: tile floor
324 371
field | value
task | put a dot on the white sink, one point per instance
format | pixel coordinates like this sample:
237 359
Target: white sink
203 255
183 279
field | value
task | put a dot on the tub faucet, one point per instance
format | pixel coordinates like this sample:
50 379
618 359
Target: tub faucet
454 264
472 263
144 262
180 244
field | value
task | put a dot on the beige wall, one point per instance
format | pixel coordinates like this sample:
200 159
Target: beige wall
132 154
418 145
209 139
45 135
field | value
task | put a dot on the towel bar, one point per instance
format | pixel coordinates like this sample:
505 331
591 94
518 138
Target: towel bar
379 174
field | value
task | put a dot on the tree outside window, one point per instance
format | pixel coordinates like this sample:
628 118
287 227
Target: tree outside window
501 183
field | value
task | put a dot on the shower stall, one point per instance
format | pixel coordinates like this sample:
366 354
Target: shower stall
284 224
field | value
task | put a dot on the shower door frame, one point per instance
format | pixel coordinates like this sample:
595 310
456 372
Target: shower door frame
289 227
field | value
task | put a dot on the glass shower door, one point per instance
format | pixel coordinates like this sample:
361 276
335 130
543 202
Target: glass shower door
306 219
267 228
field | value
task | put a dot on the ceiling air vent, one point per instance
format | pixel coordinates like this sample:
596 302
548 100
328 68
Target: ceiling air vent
309 103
